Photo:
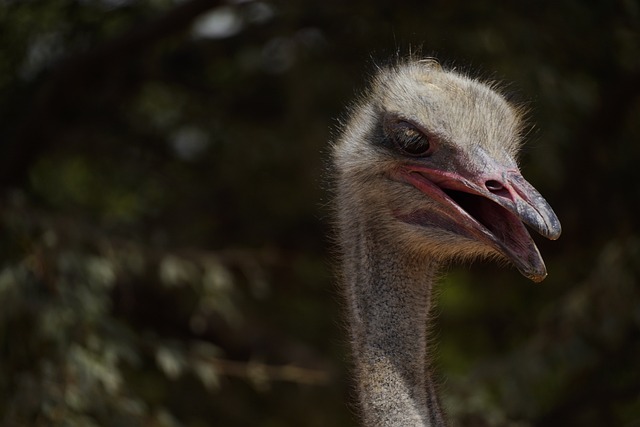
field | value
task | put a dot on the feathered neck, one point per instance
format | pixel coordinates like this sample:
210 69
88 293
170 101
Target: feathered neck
389 297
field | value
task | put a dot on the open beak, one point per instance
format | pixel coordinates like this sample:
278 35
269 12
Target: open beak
490 207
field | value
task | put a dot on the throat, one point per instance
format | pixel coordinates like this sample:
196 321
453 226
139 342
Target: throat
489 214
389 302
478 207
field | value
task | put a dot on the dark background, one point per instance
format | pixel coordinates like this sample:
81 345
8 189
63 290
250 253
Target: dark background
165 259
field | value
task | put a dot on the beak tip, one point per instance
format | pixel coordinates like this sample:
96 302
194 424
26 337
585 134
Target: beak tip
535 276
538 278
555 230
533 268
552 233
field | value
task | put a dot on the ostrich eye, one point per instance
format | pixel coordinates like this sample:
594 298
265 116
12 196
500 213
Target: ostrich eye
410 140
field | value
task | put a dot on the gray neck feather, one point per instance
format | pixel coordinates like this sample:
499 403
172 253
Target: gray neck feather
389 296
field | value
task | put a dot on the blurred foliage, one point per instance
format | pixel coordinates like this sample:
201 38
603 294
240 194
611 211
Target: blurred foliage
165 259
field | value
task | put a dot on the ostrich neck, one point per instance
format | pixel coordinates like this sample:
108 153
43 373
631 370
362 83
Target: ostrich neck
389 297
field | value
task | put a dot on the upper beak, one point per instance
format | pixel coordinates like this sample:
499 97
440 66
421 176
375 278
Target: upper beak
515 193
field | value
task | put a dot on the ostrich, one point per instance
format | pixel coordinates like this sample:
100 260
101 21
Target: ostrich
425 174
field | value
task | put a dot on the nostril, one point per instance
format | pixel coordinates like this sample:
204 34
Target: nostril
497 188
493 185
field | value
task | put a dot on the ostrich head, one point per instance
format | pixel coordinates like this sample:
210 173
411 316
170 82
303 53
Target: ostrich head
428 160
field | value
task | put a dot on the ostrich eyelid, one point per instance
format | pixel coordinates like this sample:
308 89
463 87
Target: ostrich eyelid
407 135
